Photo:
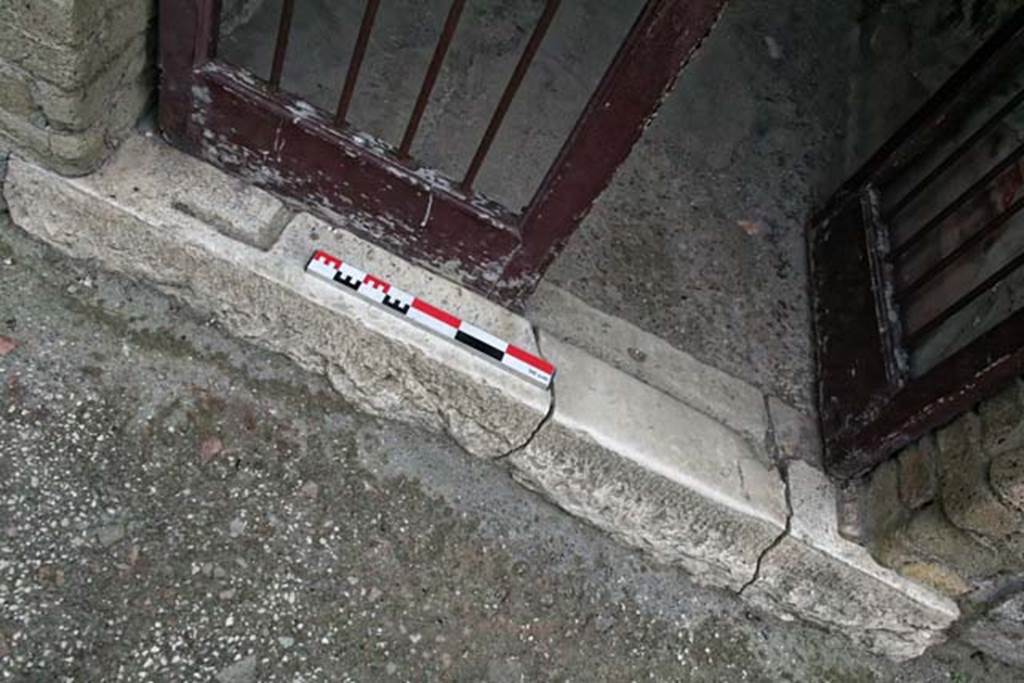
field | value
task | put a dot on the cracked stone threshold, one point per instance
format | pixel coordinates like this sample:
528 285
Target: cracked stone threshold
678 472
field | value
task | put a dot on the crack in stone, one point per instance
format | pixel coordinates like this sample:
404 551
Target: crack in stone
544 420
778 539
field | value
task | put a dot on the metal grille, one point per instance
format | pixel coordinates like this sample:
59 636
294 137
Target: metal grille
252 126
918 265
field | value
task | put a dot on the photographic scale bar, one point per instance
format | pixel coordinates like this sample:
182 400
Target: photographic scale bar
440 322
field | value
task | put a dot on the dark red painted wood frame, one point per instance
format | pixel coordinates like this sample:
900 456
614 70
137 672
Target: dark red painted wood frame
224 115
869 404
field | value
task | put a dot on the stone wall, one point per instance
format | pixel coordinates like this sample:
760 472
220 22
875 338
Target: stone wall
74 77
949 512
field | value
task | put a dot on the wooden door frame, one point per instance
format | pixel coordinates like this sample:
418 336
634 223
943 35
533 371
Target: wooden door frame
240 123
869 403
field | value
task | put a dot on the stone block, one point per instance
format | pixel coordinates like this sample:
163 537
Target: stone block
796 434
960 436
4 156
937 576
729 400
918 483
1002 420
967 499
67 153
1007 476
45 18
78 152
653 471
128 76
930 538
656 473
16 92
883 506
818 576
372 357
171 186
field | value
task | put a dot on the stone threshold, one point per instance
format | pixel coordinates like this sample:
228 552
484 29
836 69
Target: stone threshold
675 459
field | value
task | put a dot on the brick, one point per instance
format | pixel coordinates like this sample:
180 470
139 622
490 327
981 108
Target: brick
15 92
939 577
1002 419
73 66
67 153
883 509
931 538
81 108
967 498
918 483
72 23
1007 476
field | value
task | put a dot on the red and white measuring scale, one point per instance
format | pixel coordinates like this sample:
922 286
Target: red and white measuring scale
440 322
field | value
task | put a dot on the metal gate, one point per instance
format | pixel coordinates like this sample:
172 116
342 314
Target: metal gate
918 266
250 126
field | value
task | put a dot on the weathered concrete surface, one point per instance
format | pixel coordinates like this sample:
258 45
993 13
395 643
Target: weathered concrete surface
371 356
179 504
651 470
875 606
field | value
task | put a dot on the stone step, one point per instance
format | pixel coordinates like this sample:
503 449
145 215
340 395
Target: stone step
674 472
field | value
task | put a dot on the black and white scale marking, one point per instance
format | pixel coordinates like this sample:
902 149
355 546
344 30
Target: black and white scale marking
432 318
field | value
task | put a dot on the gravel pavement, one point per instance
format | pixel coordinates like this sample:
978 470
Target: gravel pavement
178 505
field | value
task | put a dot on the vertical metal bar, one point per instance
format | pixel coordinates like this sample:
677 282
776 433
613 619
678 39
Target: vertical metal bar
664 36
445 40
208 31
989 228
955 155
510 91
356 62
281 48
991 281
958 203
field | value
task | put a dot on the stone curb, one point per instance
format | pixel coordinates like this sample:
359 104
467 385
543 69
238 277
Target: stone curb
652 471
630 458
371 357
